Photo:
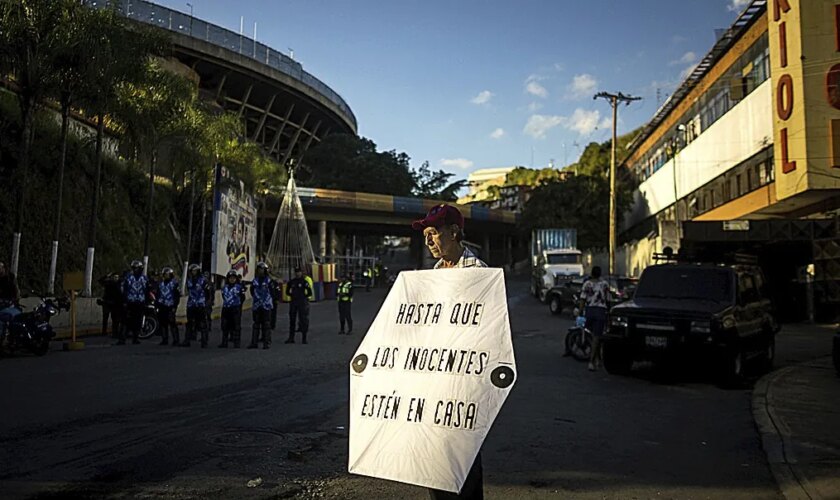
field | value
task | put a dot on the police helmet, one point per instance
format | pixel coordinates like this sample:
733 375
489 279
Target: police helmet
262 265
194 268
136 264
167 272
232 274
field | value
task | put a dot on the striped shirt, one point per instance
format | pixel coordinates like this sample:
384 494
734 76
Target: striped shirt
468 259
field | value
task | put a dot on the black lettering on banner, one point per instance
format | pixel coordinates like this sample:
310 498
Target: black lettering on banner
450 360
435 360
441 359
381 406
454 414
466 314
415 409
436 316
483 357
385 357
432 355
424 357
401 314
410 313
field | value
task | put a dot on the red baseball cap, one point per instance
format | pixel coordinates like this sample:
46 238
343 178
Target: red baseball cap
440 215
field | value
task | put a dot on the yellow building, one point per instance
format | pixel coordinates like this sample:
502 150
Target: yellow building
752 135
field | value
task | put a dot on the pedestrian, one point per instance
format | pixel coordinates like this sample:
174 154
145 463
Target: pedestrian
261 291
197 288
345 303
443 232
210 292
167 298
112 304
136 287
276 297
233 296
9 300
299 291
594 297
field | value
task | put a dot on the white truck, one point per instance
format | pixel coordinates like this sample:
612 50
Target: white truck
554 259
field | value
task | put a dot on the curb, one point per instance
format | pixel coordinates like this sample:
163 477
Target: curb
776 439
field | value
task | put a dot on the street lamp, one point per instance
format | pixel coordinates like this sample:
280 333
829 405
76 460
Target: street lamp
191 16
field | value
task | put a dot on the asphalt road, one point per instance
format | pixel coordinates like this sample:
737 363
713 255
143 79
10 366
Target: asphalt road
161 422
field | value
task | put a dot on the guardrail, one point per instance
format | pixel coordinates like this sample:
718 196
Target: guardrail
185 24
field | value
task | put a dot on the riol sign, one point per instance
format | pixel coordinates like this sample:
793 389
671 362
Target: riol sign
430 377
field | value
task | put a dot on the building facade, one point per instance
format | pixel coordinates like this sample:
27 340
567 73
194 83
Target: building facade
753 135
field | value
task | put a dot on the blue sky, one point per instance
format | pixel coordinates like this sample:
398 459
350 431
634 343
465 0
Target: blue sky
469 84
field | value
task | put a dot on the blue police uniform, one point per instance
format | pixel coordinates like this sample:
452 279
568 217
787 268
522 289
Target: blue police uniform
233 296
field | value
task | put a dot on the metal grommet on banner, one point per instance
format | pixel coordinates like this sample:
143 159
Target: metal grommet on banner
502 377
360 363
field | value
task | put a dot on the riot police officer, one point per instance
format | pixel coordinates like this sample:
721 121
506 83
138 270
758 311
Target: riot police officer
345 302
233 296
135 289
262 290
166 301
299 291
197 287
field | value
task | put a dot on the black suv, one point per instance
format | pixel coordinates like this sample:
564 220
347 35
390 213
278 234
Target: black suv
718 312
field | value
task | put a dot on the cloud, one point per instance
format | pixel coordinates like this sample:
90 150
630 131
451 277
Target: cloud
533 87
534 107
461 163
498 133
687 71
687 58
483 97
737 5
582 86
538 125
584 122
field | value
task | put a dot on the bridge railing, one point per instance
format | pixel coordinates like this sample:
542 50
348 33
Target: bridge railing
179 22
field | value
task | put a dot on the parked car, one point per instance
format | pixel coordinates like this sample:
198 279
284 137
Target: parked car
720 313
564 297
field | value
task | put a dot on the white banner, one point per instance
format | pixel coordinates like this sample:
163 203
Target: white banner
235 234
430 377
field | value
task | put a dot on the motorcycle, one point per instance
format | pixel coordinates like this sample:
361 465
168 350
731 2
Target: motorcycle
32 330
149 322
579 339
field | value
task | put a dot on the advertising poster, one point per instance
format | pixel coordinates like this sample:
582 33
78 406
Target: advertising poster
235 231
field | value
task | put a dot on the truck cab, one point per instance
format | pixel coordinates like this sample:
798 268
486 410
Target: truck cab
555 267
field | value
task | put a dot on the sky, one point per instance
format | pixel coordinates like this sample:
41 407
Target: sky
469 84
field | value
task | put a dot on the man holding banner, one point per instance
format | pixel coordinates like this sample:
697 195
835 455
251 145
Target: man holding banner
434 369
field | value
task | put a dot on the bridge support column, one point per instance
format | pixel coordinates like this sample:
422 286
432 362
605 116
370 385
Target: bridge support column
322 239
332 244
486 248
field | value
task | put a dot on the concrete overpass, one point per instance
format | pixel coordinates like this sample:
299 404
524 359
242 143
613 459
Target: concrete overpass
334 216
286 110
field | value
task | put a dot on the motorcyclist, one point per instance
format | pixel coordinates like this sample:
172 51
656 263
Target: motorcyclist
197 288
166 301
136 288
9 300
262 290
233 296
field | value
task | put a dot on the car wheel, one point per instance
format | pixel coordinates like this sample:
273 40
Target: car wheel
615 361
554 305
769 355
732 369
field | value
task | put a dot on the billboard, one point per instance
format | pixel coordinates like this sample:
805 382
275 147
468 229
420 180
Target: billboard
234 227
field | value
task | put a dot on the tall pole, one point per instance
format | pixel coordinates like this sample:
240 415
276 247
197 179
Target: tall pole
614 99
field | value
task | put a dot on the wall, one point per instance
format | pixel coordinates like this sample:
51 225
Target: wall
739 134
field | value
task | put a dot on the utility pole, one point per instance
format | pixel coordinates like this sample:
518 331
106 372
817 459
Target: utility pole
614 100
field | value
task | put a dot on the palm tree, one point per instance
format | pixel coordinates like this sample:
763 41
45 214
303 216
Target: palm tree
28 36
117 56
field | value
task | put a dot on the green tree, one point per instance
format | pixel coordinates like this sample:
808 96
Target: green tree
435 185
351 163
118 54
580 202
29 33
